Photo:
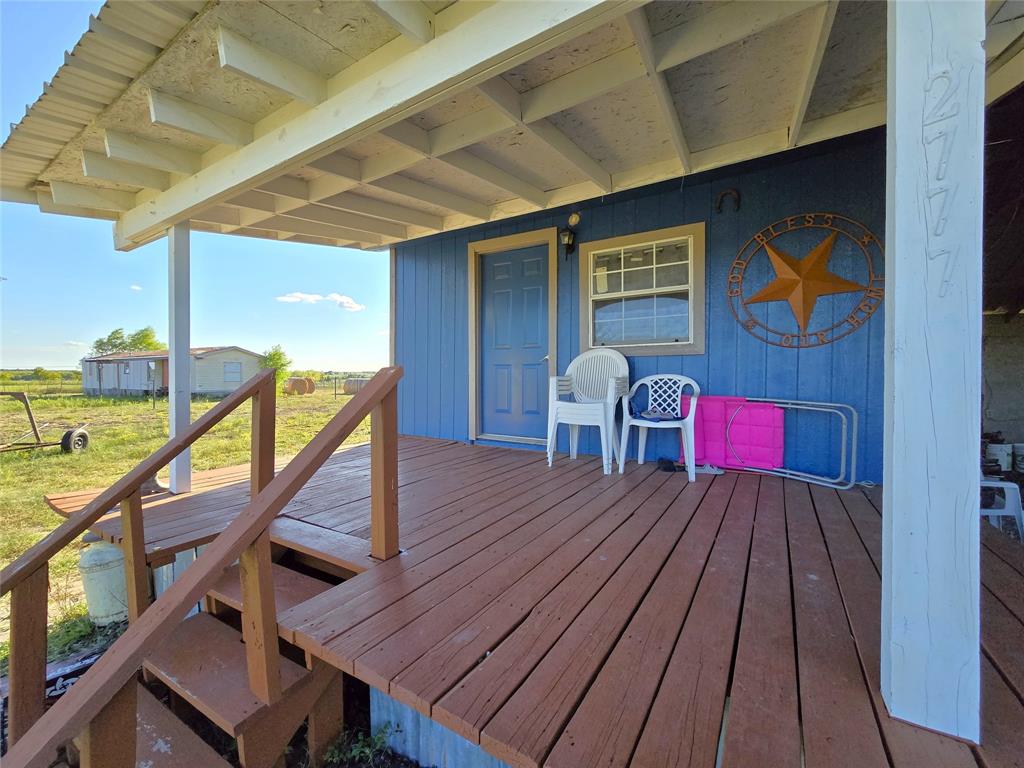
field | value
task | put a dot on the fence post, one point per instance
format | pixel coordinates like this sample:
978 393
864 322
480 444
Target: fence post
384 477
27 665
133 544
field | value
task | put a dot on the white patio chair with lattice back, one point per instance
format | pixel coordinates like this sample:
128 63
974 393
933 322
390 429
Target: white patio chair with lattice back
664 395
595 381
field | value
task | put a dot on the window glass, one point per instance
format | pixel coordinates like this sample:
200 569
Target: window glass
640 294
232 373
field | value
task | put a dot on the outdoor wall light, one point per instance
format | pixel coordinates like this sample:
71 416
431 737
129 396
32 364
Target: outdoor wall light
567 236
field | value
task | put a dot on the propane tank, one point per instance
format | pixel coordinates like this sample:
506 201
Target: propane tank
102 568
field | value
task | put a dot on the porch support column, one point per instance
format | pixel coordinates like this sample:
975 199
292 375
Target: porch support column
930 549
179 384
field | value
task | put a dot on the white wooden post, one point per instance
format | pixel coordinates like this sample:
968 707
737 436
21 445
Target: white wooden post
179 385
930 576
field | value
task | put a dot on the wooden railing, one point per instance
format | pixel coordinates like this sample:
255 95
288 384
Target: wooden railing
27 577
100 706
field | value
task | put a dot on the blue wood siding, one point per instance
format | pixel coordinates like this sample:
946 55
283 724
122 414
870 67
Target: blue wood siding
846 176
421 739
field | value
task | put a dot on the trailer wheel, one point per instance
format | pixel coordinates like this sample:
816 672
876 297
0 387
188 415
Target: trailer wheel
74 441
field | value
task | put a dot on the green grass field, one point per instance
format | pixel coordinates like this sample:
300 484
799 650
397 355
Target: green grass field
122 433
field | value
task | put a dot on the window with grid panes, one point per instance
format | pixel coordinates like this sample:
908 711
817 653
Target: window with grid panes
640 294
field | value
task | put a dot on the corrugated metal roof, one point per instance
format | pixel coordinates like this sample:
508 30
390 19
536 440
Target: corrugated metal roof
121 42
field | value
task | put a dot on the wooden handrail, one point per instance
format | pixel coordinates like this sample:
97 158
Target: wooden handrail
79 522
90 695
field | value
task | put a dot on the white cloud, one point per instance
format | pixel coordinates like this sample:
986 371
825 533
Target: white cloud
345 302
136 287
76 344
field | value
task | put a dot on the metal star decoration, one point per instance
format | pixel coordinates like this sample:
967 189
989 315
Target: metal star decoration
802 281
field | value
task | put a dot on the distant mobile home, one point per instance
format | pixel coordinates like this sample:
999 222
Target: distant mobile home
213 371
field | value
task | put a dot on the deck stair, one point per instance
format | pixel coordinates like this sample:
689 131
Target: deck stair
204 663
290 588
247 682
164 741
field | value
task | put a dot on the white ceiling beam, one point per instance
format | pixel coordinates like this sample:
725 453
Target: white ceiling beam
220 214
583 84
506 99
387 86
468 130
409 135
287 186
99 166
172 112
260 201
410 17
492 174
46 204
1005 79
282 223
260 65
551 135
346 201
393 161
666 104
724 25
81 196
826 15
354 221
417 140
152 154
338 164
10 194
426 193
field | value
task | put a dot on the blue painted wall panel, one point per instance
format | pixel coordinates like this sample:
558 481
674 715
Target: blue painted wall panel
421 739
845 177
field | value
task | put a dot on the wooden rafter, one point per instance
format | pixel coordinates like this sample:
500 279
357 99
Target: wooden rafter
381 89
666 104
823 23
410 17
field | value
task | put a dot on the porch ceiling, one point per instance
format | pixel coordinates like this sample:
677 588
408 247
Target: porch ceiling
332 122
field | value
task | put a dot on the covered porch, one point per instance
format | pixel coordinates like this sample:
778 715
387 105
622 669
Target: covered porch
561 617
785 622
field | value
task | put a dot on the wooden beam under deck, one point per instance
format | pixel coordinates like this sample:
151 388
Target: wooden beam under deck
562 617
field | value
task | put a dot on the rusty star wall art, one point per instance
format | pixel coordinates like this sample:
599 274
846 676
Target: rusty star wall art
801 279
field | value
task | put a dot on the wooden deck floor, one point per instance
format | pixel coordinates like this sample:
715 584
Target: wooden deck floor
560 617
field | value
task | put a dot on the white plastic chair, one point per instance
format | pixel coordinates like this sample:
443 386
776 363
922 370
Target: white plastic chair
1011 504
595 381
664 393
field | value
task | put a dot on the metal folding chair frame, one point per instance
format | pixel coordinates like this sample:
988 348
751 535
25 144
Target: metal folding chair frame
848 419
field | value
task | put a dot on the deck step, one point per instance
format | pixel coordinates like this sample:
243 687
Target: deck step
164 741
339 549
290 588
204 663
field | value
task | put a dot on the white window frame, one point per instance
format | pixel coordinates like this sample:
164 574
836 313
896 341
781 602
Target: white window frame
694 235
225 371
127 369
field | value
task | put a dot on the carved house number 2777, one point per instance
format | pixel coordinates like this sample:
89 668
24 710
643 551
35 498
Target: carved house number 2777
938 132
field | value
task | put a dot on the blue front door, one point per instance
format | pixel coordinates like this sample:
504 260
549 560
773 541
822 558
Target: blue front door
514 343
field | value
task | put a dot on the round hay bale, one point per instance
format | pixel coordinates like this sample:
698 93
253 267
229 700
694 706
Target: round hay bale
351 386
310 386
296 386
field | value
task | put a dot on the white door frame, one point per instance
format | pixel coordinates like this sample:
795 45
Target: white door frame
476 251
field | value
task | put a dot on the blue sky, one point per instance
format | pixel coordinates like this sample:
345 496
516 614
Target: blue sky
65 285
